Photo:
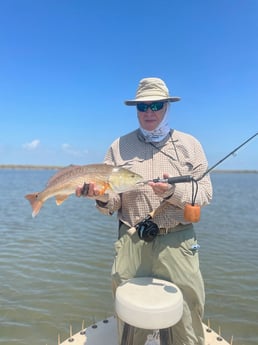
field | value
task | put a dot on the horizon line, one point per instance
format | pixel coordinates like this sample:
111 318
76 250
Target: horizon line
57 167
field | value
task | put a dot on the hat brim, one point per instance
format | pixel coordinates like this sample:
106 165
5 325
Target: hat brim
150 99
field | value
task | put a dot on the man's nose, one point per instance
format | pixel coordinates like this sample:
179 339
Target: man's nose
149 111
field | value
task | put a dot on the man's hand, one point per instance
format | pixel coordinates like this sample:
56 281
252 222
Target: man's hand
162 189
91 190
88 190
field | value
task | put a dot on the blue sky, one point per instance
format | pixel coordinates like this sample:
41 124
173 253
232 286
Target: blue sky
67 66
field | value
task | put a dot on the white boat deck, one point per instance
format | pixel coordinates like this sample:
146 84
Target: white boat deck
104 332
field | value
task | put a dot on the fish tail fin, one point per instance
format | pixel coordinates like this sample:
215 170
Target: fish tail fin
35 203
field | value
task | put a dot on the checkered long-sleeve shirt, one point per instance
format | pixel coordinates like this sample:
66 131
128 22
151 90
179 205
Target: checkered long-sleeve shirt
178 154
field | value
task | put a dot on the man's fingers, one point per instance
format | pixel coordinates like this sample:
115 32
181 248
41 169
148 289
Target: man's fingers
78 191
88 189
85 189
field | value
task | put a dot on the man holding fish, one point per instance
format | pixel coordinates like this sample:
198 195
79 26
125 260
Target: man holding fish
154 150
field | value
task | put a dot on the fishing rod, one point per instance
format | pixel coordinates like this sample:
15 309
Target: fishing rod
192 210
189 178
228 155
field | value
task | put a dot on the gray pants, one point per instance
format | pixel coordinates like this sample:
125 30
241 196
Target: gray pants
169 257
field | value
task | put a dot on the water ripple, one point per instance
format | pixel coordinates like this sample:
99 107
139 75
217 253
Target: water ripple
55 269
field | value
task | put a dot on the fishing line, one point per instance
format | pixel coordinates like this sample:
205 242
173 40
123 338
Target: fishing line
194 191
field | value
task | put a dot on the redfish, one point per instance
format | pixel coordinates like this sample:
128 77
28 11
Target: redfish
66 180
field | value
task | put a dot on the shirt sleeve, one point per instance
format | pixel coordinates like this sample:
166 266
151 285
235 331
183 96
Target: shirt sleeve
112 205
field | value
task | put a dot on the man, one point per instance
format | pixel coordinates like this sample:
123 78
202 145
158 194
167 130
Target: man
154 150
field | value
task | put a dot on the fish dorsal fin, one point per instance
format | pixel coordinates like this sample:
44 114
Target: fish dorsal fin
60 199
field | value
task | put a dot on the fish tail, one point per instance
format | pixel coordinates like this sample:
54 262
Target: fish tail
35 203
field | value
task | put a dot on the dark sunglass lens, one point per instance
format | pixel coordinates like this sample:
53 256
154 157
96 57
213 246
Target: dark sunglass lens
156 106
142 106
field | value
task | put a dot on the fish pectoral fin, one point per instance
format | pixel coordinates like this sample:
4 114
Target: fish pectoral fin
105 186
60 199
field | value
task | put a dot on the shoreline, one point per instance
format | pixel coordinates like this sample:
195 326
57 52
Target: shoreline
30 167
57 167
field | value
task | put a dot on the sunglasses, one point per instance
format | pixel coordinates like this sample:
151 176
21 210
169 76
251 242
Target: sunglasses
155 106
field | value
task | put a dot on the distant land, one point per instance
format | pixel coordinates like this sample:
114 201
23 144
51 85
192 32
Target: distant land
29 167
56 167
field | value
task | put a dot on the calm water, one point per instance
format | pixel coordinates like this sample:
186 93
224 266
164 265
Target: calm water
55 269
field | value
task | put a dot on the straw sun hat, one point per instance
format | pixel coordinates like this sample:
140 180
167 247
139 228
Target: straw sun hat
152 89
